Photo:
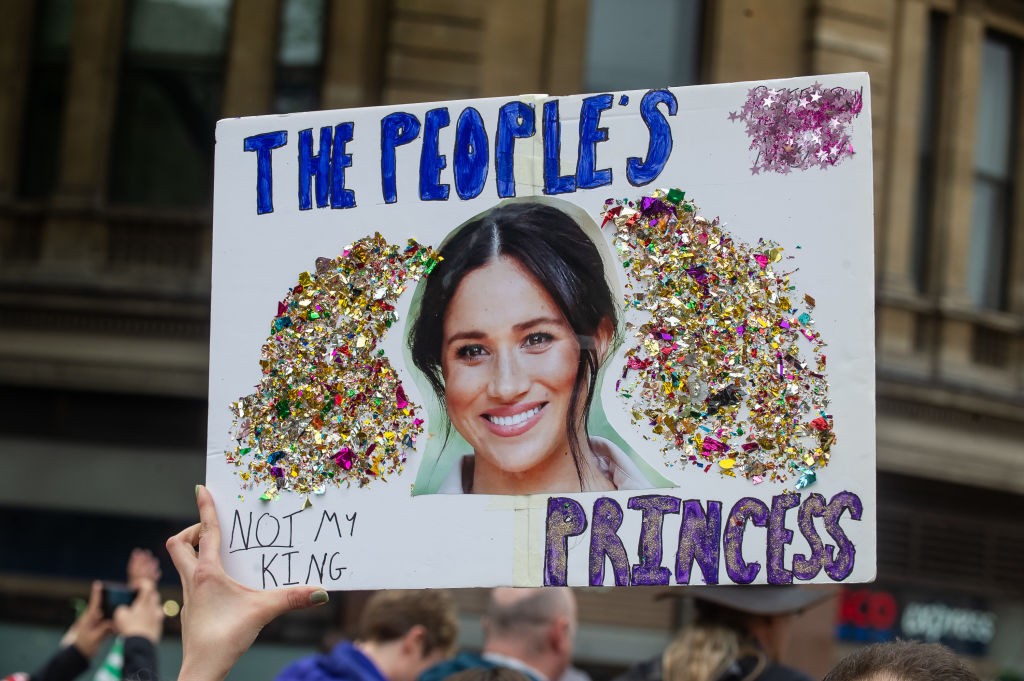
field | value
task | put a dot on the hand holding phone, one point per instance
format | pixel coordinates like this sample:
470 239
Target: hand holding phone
91 628
144 616
115 594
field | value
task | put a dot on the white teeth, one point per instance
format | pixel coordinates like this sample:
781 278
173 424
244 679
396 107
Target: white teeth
514 420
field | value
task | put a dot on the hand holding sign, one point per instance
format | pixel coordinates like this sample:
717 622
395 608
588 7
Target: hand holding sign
221 618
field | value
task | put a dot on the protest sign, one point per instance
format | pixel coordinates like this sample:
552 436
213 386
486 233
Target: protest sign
612 339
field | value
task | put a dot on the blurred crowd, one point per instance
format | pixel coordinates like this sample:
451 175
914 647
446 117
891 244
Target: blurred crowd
737 634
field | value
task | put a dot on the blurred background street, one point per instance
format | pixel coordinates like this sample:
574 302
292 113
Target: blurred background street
107 116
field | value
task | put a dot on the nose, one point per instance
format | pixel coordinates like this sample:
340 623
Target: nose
509 378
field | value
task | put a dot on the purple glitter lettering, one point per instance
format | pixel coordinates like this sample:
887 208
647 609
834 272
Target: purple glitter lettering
746 509
805 568
699 537
605 542
566 518
839 566
649 571
779 536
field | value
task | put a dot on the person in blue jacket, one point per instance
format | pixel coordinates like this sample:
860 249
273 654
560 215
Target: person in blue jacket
401 633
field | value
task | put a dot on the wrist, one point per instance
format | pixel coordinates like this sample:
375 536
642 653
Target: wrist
149 639
150 634
201 671
86 651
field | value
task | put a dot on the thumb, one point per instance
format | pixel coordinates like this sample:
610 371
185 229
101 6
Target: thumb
297 598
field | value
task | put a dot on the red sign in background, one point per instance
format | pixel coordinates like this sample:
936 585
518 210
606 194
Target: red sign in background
963 622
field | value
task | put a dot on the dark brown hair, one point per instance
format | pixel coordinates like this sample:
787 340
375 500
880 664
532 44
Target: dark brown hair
390 614
901 661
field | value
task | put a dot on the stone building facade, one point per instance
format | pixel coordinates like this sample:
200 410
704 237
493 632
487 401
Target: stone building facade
107 112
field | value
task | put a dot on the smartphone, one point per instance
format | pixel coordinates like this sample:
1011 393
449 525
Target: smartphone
114 595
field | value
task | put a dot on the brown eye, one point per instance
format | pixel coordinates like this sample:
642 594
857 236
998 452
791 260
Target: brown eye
539 338
470 351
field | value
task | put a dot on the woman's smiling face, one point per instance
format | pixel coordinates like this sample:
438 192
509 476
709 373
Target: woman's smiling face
509 360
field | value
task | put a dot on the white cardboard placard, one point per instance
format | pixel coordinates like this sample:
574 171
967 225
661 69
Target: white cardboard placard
784 166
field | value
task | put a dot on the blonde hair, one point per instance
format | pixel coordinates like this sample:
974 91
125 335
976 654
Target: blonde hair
700 653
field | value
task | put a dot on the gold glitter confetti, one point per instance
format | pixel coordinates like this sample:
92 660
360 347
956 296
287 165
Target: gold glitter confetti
329 408
716 368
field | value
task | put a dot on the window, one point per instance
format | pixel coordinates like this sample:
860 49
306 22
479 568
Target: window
44 112
987 267
170 94
924 198
666 54
299 56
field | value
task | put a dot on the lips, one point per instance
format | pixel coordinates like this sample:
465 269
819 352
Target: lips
511 421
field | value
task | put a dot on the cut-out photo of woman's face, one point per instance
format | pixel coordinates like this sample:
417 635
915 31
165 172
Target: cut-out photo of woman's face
513 327
509 362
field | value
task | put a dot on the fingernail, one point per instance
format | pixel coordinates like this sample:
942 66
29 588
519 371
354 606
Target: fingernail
197 491
319 597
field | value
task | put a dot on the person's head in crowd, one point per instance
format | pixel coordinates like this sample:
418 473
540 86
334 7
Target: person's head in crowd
761 614
736 632
406 631
535 626
700 653
489 674
901 661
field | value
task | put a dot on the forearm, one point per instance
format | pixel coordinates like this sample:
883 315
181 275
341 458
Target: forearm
139 659
65 665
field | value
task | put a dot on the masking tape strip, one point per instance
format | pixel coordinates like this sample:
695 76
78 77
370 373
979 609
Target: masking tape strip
528 547
528 162
519 506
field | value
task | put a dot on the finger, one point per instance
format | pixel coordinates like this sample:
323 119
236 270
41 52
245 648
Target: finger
281 601
132 570
148 595
153 601
153 566
95 600
209 533
149 566
181 548
144 589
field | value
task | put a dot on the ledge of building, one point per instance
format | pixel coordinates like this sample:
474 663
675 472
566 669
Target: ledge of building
950 435
150 366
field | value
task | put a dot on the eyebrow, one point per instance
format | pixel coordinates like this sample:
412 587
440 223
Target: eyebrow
521 326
